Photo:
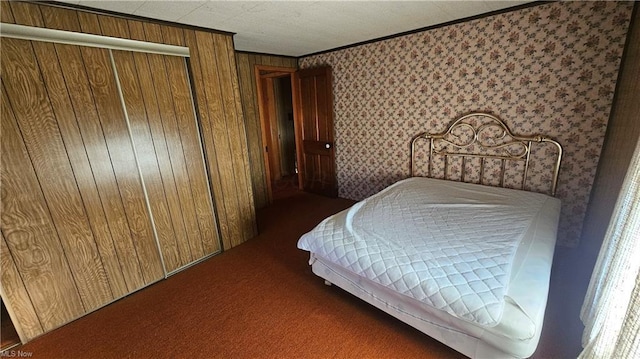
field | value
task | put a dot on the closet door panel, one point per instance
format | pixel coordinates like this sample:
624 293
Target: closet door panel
29 100
68 124
30 232
191 144
109 107
82 100
178 145
188 249
175 169
151 100
131 81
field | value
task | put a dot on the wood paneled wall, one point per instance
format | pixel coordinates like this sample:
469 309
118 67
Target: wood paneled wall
246 63
217 98
76 232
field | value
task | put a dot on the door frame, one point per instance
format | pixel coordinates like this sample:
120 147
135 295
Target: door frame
263 73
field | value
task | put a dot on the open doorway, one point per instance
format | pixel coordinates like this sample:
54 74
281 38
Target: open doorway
275 103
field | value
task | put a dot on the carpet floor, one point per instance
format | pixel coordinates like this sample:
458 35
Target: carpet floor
258 300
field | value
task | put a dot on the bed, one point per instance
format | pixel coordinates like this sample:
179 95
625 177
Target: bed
462 249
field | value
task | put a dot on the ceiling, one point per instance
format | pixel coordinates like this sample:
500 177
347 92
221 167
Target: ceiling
297 28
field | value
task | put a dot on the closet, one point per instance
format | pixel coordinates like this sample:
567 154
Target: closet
104 186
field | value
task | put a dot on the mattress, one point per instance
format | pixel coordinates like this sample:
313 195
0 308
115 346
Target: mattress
520 239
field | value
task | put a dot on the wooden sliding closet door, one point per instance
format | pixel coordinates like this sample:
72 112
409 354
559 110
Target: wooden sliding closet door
74 214
160 109
103 178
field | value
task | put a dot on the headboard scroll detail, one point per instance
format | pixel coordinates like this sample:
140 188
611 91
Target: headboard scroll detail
484 137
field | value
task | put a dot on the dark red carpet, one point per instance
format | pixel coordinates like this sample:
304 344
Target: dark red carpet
258 300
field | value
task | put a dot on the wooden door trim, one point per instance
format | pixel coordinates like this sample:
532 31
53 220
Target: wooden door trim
262 72
274 145
297 123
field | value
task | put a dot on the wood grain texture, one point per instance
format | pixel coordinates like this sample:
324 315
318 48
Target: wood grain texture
153 32
109 107
83 103
178 165
235 133
26 13
114 187
254 138
67 123
89 23
71 118
114 203
6 15
176 124
60 19
30 233
250 225
47 150
92 23
206 129
170 248
16 298
208 241
172 35
113 27
136 30
220 138
184 226
146 152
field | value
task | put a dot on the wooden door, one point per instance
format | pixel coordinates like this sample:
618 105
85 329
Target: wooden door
313 108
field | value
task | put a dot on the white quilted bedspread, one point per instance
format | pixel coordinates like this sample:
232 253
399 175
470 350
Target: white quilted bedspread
448 244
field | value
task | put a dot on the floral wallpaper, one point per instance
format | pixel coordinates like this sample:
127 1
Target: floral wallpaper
548 69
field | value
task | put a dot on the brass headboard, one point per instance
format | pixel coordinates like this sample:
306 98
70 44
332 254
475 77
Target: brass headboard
477 138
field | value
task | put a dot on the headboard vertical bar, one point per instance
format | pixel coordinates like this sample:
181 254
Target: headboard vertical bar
430 156
556 172
482 170
502 171
412 172
526 165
